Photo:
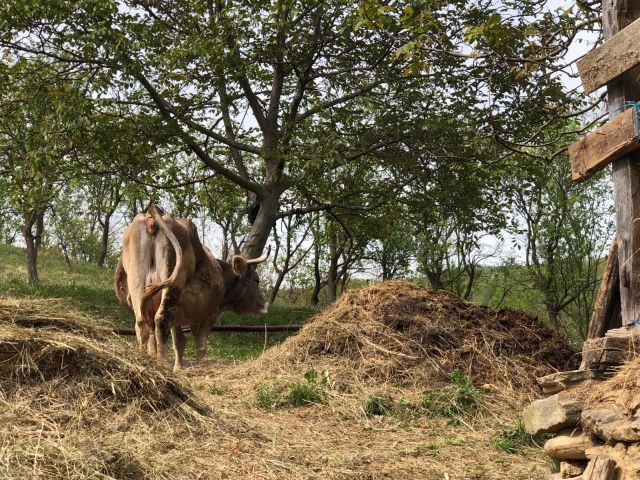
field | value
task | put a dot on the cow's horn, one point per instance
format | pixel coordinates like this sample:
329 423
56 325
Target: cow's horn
254 261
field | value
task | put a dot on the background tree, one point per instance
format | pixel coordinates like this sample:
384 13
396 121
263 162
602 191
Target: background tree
39 123
564 228
273 96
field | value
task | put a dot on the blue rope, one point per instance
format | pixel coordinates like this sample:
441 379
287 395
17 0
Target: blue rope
626 105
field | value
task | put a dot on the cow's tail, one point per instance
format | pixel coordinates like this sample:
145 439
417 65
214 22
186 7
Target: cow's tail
153 288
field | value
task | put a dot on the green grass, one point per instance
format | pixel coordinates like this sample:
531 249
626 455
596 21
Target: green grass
456 401
89 289
513 440
378 405
443 442
312 389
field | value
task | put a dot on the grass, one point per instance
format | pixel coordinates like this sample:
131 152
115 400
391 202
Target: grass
89 289
313 389
378 405
456 401
513 440
443 442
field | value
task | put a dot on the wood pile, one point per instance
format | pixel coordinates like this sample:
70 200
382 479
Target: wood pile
594 413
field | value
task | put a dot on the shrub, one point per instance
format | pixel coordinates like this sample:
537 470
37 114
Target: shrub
269 397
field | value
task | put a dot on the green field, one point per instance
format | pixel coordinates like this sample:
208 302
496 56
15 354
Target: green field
89 289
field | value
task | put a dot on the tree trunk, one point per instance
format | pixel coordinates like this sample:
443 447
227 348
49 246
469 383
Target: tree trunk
276 286
65 254
554 315
332 279
435 279
261 227
39 230
224 255
317 277
385 263
30 241
104 245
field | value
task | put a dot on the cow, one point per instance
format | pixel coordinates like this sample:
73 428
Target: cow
168 279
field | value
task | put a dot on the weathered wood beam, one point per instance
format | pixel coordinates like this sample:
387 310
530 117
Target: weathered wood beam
618 54
613 140
606 308
616 15
600 468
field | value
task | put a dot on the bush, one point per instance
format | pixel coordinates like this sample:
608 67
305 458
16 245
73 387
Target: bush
455 401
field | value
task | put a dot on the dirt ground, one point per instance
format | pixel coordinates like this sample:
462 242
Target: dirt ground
337 440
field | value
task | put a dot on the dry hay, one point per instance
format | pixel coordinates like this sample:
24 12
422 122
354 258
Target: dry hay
401 332
623 389
78 402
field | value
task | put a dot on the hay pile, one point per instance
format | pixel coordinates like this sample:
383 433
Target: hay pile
400 332
78 402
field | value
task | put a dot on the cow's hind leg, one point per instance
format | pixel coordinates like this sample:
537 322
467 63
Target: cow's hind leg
200 341
179 342
201 337
152 345
163 320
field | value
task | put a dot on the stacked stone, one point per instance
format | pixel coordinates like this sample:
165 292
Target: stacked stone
601 441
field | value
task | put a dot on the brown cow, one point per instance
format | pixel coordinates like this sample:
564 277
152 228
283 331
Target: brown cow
168 279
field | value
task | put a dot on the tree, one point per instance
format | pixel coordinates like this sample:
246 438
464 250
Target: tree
294 248
38 131
273 96
564 228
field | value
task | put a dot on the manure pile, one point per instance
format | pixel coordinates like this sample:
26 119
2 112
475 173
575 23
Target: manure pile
398 331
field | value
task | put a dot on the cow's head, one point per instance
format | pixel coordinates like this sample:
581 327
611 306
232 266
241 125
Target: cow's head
242 286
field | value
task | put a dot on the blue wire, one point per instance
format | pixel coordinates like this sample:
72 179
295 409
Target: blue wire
626 105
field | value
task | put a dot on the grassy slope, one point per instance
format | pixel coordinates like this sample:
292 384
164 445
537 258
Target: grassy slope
89 289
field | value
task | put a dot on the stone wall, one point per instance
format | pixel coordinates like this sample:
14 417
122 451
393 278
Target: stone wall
594 413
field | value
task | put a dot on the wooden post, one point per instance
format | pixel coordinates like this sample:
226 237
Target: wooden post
606 308
617 14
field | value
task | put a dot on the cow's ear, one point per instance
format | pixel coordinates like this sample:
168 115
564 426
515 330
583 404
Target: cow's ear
239 265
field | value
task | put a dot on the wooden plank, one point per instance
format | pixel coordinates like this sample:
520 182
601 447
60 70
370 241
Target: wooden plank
600 468
617 55
616 15
613 140
606 308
